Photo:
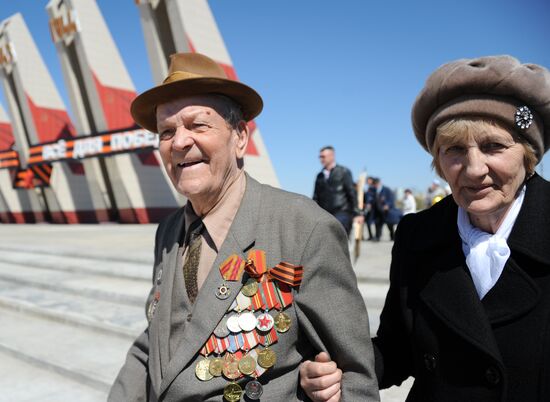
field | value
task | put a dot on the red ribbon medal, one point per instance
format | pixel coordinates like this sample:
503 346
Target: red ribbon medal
232 268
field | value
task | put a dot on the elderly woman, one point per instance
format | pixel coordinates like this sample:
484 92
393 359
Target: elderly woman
468 309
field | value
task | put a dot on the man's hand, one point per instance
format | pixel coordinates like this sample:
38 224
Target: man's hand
321 379
360 219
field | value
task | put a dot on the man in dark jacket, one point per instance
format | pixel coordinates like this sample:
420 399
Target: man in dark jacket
335 191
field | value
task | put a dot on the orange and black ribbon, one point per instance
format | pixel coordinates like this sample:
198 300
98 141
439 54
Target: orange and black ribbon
284 272
255 266
287 273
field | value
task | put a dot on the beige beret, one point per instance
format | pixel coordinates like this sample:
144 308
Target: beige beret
496 87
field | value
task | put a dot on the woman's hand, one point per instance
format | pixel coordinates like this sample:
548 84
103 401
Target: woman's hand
321 379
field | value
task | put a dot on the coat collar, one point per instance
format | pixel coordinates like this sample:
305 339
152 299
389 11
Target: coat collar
208 310
531 232
448 290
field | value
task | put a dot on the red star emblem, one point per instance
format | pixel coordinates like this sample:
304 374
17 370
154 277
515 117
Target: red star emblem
265 321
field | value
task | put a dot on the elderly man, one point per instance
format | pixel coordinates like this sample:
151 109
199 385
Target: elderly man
244 271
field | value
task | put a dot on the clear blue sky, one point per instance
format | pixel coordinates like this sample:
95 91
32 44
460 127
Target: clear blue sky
342 73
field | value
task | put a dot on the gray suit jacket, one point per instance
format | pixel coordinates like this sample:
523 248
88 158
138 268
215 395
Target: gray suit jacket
328 313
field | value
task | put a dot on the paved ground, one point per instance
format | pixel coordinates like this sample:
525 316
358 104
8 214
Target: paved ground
81 288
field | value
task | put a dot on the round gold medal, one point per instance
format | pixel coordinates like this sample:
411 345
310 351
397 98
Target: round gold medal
231 369
247 365
216 367
202 370
250 288
232 392
267 358
282 322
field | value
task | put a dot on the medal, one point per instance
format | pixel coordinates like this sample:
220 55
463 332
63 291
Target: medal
231 367
151 309
159 276
216 366
265 322
247 321
247 365
253 390
250 287
223 292
232 392
202 370
233 323
221 330
282 322
267 358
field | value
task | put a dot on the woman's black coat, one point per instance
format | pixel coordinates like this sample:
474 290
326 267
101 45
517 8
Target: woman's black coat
434 327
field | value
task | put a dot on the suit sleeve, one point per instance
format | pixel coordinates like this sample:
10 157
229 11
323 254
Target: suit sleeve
132 383
332 313
392 344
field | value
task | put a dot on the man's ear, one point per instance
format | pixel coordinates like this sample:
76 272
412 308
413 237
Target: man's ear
243 135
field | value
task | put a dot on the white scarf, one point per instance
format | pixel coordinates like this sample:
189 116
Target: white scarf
486 253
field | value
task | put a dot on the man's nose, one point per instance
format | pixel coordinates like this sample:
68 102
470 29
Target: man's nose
182 139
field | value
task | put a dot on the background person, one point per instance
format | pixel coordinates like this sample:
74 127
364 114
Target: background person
434 193
409 202
383 208
335 190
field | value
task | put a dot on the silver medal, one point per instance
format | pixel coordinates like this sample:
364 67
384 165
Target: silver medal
233 324
253 390
247 321
151 309
159 276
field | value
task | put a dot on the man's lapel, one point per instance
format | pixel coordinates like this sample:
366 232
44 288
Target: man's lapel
208 309
159 328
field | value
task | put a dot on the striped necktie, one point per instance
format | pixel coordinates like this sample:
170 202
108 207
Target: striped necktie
191 264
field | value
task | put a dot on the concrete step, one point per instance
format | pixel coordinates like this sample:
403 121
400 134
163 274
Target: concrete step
78 354
67 262
105 241
22 381
103 316
116 289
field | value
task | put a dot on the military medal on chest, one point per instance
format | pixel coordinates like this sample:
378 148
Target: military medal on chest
264 322
232 392
282 322
243 340
202 370
253 390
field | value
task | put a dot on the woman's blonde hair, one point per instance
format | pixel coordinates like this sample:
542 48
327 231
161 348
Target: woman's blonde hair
451 133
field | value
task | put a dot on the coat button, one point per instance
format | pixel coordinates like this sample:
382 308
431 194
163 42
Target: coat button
492 375
189 316
430 362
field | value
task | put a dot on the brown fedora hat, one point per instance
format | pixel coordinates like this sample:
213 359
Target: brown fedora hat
193 74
